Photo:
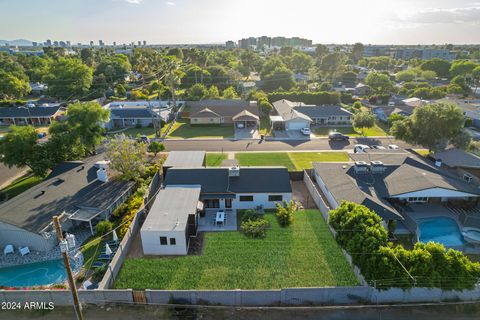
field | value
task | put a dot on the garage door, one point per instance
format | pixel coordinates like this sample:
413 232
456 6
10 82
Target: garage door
297 125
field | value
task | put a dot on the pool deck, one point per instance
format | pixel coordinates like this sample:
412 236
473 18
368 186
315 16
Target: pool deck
14 259
425 211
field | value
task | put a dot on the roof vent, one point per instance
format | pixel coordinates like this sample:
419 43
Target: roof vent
102 175
377 167
361 167
234 171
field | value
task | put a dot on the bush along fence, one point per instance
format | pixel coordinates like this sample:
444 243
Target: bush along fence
360 232
128 235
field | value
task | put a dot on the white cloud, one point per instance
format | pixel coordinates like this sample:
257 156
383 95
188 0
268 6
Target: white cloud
465 15
134 1
170 3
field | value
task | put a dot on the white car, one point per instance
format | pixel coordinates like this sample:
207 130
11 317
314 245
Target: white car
393 147
391 104
361 148
306 131
379 147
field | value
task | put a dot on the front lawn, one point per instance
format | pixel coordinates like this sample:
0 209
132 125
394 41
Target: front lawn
18 186
292 160
303 255
257 159
215 159
303 160
184 130
377 130
135 132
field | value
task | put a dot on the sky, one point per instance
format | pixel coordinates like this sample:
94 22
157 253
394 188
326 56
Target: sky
215 21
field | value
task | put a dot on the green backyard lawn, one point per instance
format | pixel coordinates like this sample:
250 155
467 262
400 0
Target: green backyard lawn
215 159
302 255
18 186
135 132
292 160
185 130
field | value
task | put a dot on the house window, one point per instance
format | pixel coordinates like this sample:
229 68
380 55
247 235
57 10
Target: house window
163 241
246 198
211 119
195 120
173 241
275 198
417 199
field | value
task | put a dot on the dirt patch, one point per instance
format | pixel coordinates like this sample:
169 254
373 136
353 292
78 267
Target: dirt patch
300 194
196 245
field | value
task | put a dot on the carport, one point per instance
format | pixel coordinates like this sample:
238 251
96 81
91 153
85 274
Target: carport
277 123
246 119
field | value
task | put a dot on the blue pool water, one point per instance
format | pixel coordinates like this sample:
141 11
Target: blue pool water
34 274
441 229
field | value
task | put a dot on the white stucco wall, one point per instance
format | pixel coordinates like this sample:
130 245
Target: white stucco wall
258 199
331 200
151 242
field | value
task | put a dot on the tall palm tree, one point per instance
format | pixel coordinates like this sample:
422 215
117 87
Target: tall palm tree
172 75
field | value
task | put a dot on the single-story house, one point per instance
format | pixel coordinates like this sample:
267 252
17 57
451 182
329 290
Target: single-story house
415 102
297 115
362 89
379 181
31 114
465 164
238 112
190 191
135 113
383 112
79 192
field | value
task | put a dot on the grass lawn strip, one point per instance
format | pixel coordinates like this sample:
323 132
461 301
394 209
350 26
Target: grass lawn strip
215 159
303 160
185 130
303 255
253 159
19 185
375 131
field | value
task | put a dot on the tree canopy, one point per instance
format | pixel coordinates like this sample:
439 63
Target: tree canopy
69 78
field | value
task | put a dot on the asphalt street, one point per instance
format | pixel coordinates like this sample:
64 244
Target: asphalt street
286 145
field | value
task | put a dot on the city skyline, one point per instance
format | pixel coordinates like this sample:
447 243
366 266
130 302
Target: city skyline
214 21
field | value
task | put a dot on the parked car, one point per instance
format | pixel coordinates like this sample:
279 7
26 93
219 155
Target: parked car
337 136
361 148
144 139
306 131
391 104
379 147
393 147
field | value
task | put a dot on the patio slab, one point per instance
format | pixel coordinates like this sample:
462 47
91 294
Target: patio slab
206 223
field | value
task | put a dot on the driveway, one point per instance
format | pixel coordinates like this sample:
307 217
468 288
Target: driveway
290 135
246 133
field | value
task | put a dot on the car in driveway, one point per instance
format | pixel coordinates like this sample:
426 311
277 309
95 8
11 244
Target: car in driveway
379 147
361 148
306 131
144 139
393 147
337 136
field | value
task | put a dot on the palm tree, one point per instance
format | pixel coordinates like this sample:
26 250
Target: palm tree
172 75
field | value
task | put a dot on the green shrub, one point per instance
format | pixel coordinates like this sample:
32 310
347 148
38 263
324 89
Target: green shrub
251 214
255 228
286 213
99 273
360 232
103 227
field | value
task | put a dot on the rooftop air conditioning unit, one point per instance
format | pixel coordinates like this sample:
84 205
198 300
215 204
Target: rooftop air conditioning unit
377 167
234 171
361 167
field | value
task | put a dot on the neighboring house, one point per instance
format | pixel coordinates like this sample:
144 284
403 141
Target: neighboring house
38 89
470 107
31 114
79 192
383 112
224 112
125 114
380 181
184 159
465 164
190 192
415 102
297 115
362 89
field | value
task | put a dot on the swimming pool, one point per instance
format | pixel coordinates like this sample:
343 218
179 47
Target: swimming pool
442 230
33 274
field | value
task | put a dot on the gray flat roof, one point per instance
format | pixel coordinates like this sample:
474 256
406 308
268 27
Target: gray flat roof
183 159
171 208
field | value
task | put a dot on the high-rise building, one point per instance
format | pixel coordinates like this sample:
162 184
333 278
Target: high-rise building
55 43
114 43
101 43
144 42
139 43
69 43
91 43
230 44
34 44
48 43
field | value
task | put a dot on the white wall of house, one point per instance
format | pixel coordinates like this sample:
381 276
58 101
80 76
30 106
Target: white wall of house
259 199
331 200
297 124
435 193
151 242
10 234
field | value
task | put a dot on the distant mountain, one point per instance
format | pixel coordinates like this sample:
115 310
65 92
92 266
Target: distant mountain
17 42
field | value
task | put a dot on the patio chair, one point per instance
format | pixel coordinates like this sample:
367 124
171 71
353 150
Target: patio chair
8 249
24 250
98 264
105 257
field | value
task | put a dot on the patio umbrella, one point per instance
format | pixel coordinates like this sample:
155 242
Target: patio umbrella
114 236
108 251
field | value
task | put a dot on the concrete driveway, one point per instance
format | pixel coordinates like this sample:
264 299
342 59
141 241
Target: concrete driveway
246 133
290 135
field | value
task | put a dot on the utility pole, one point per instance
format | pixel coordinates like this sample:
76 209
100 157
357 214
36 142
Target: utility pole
66 262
